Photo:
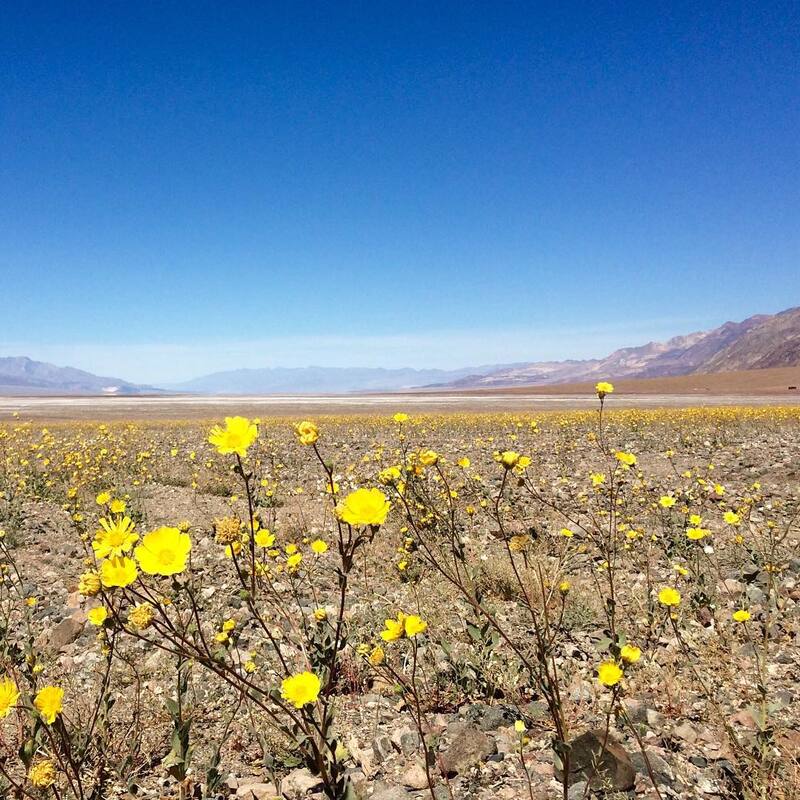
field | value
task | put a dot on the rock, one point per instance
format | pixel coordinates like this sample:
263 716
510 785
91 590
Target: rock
536 710
581 694
406 740
789 744
507 741
382 747
299 783
414 777
490 718
67 631
384 791
655 720
468 747
756 596
732 586
577 790
256 790
359 781
662 771
608 767
744 719
636 710
364 757
749 571
686 732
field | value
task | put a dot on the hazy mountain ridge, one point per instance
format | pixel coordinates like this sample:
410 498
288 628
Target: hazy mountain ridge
22 375
277 380
759 342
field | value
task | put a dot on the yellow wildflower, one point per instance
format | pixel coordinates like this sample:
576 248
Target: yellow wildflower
49 702
301 689
236 437
118 571
164 552
89 583
609 673
630 654
669 596
603 388
364 507
307 432
115 537
141 616
97 616
42 774
9 694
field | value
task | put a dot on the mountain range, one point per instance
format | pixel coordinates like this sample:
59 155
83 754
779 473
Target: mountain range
759 342
328 380
20 375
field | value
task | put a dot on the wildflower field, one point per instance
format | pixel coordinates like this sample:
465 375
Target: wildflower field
595 603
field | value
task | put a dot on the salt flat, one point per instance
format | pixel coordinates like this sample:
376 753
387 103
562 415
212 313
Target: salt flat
197 407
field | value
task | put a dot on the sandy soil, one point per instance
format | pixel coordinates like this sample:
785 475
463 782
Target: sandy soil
744 382
109 408
750 387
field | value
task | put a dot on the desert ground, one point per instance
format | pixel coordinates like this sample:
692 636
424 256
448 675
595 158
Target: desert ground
213 407
753 387
777 381
505 596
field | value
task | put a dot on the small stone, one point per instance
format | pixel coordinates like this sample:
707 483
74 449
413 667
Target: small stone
67 631
654 719
382 747
468 747
732 586
364 757
384 791
607 767
406 740
232 782
536 709
662 771
359 781
490 718
299 783
636 710
507 742
789 744
686 732
577 790
256 790
414 777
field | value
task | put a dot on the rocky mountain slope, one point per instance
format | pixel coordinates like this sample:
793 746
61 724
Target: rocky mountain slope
22 375
759 342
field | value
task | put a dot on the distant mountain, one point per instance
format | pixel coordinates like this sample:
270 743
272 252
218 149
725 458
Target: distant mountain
758 342
21 375
325 380
773 343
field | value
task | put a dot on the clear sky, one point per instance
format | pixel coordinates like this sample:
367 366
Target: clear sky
187 187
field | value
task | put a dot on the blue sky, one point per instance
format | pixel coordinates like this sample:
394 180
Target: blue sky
192 187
